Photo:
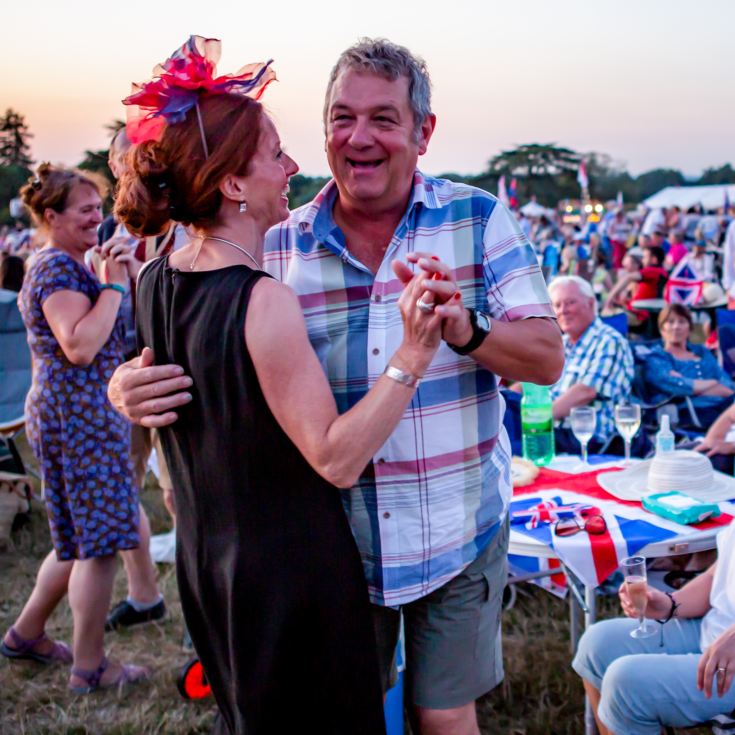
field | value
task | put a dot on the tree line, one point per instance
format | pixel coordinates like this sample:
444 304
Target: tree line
546 171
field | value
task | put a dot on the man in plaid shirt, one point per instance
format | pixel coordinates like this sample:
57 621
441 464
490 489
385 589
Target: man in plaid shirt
429 512
598 364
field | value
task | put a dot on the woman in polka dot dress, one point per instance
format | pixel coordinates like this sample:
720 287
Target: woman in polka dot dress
75 333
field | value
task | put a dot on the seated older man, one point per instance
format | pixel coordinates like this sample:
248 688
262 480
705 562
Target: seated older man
598 365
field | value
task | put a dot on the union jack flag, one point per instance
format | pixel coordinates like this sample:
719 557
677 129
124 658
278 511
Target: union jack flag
684 286
548 511
513 194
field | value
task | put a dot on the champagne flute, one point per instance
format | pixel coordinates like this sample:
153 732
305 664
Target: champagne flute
583 420
634 570
627 422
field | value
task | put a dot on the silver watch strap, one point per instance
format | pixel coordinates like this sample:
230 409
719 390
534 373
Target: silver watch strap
400 376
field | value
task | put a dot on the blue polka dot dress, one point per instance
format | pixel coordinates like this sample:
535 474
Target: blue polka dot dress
80 441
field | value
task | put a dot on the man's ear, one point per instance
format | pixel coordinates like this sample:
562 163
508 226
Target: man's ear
425 132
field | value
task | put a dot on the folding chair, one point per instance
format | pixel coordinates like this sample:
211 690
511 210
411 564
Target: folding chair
15 381
721 725
683 418
726 337
619 322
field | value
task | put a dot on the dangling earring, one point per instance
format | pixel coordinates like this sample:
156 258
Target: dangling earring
243 207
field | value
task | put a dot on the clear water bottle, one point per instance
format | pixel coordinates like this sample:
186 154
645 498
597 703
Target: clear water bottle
664 437
537 424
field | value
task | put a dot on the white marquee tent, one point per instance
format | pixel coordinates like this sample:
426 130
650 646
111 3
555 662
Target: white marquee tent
710 197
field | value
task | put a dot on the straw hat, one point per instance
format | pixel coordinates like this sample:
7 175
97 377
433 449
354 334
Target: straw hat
711 293
688 472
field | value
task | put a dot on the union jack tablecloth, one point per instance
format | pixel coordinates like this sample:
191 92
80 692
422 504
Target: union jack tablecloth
592 558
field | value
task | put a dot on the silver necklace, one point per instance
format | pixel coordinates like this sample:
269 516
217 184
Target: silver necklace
227 242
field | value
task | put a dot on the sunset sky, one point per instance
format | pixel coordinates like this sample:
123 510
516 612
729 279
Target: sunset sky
650 83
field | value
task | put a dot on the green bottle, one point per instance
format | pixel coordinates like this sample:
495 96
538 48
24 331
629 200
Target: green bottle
537 424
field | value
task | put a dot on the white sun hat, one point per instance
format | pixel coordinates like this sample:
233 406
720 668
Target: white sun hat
688 472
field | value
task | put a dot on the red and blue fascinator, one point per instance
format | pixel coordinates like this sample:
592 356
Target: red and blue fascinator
178 82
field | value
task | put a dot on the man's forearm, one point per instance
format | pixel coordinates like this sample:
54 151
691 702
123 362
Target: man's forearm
578 395
529 350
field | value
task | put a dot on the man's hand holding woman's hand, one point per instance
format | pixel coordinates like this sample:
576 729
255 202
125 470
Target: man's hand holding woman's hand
421 327
439 288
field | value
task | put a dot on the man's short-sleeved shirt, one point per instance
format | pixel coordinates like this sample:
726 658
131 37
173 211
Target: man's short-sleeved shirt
601 359
436 491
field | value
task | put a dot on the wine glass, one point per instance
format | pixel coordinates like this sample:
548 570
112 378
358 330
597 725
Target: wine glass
583 420
634 570
627 422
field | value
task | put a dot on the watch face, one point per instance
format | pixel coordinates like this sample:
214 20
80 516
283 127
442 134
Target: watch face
483 321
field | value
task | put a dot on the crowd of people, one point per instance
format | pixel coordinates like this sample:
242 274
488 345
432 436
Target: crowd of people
406 300
631 242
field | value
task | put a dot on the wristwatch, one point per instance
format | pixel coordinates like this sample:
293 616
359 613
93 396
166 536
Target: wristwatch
481 327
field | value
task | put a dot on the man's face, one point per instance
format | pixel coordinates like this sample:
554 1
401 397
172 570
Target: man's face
371 145
117 154
574 311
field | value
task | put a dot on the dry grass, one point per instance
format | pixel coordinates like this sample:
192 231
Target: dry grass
540 695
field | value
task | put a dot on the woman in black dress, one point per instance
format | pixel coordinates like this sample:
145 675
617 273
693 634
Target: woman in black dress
271 582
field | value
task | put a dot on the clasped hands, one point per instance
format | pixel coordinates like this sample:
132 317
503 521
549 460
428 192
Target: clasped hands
440 289
118 250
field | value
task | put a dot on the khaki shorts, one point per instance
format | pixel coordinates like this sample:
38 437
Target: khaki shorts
453 637
142 440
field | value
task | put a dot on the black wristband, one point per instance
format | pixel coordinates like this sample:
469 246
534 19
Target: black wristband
672 610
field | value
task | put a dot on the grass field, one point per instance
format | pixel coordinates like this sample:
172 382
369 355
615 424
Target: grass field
540 694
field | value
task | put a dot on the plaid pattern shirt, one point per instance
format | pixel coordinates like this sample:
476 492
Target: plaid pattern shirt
435 493
601 359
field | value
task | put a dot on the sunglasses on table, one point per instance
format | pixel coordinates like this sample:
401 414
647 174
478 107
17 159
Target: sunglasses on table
594 525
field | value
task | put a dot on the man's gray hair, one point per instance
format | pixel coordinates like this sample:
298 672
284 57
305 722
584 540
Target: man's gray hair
584 286
390 61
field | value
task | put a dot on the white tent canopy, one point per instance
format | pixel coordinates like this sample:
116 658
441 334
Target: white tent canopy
534 209
710 197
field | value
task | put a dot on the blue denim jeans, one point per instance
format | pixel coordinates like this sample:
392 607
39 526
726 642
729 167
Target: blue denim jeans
645 685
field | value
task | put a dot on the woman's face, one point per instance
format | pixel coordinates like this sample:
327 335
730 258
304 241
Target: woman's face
76 227
267 180
675 330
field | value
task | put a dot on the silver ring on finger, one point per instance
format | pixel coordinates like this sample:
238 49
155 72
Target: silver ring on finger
421 305
722 669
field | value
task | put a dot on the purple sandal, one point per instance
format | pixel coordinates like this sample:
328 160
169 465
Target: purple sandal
23 649
128 675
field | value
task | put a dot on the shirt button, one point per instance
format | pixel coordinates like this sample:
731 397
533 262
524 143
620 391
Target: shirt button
377 298
386 514
376 351
381 460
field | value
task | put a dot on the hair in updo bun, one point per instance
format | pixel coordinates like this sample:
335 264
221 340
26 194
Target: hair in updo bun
51 186
172 179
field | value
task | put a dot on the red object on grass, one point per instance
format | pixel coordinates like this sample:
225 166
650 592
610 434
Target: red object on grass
192 682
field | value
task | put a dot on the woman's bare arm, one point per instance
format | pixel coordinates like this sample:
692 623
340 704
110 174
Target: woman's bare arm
80 328
296 389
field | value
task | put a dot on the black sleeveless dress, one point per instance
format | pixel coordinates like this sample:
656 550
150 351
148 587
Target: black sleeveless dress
271 583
